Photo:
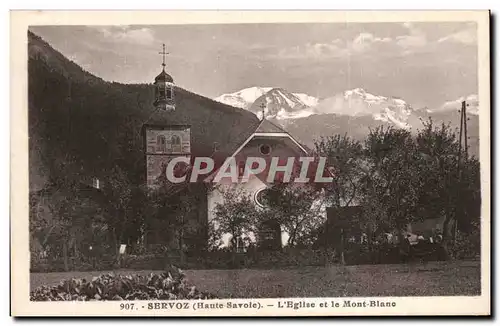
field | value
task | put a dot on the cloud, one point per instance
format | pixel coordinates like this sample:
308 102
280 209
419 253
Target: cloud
472 104
411 39
414 39
127 34
467 36
313 50
362 43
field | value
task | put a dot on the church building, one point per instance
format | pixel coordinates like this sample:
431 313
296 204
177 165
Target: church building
181 129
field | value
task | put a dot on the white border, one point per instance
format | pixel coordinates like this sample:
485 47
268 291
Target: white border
446 305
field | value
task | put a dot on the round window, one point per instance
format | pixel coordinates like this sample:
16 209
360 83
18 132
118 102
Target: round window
265 149
260 197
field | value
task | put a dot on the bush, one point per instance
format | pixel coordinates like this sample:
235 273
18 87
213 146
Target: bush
392 254
468 245
57 265
146 261
291 257
169 285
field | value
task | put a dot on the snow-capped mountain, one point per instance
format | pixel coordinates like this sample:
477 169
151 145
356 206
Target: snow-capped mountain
307 99
281 105
354 112
275 97
358 102
243 98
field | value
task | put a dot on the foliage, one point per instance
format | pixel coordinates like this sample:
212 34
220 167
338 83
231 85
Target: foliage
399 177
468 244
169 285
345 155
449 183
214 236
235 215
119 191
298 208
172 219
390 184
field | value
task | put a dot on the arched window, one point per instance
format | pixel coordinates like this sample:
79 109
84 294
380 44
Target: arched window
176 144
161 144
169 92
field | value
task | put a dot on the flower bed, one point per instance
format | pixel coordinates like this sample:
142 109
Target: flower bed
169 285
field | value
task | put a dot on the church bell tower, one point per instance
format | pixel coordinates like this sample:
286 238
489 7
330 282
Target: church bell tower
164 88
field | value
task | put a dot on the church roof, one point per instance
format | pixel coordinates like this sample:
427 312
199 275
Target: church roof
163 76
267 126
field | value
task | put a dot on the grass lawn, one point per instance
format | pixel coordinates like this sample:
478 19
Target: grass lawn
431 279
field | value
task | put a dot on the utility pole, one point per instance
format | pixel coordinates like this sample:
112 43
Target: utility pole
463 135
466 148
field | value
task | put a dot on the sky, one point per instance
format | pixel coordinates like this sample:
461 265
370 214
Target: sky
426 64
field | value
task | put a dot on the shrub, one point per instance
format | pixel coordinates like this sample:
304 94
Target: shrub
146 261
468 245
169 285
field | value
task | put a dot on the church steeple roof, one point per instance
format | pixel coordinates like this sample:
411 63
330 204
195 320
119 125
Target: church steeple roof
163 76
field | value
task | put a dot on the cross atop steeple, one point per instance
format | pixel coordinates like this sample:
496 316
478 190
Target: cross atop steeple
263 106
163 53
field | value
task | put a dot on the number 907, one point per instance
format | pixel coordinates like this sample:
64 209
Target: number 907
126 306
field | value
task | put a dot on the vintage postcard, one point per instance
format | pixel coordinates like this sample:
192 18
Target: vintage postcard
319 163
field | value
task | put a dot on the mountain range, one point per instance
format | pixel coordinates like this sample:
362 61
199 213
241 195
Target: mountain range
353 112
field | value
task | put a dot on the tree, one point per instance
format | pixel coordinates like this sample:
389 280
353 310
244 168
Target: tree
118 190
214 236
345 156
448 189
390 183
63 211
297 207
412 178
236 215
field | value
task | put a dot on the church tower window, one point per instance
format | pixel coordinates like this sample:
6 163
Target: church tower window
161 144
176 144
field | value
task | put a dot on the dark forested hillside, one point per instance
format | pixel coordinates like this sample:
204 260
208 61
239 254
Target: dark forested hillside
81 126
